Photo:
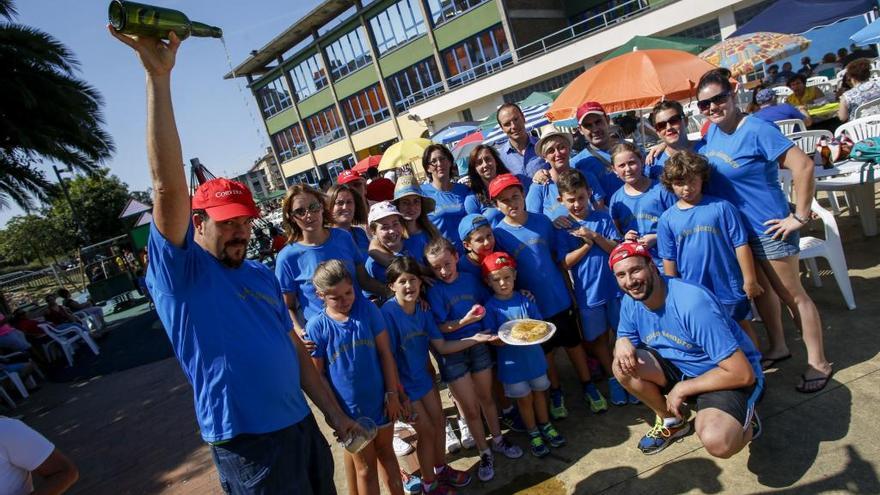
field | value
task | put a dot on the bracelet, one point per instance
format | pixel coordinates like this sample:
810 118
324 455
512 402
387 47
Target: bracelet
799 219
388 395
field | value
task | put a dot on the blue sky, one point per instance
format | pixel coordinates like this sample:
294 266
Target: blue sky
217 118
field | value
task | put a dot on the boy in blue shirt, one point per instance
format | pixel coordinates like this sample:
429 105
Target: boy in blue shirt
636 207
702 239
583 248
521 369
676 345
478 241
530 238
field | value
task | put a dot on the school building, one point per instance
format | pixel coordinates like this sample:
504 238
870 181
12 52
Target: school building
351 78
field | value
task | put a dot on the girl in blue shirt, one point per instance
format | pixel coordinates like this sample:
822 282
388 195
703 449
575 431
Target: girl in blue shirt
484 164
636 207
351 343
414 206
412 331
456 301
745 154
448 196
348 212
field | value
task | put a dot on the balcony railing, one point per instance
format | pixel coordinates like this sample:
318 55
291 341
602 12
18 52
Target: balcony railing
478 71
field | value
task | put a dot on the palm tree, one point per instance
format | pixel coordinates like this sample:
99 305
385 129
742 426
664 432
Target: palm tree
46 113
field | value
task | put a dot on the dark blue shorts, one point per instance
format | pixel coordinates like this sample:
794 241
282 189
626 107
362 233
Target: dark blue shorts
739 311
765 247
471 360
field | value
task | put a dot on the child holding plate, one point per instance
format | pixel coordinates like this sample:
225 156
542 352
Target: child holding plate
522 369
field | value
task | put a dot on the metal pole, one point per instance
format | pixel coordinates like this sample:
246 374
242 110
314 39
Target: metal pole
81 233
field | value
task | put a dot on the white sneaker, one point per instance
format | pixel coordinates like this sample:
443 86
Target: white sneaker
401 426
467 440
401 446
452 443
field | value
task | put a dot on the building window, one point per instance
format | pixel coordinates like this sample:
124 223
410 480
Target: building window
479 55
349 53
443 10
365 108
414 84
745 15
710 29
273 98
308 77
309 177
397 24
289 142
324 127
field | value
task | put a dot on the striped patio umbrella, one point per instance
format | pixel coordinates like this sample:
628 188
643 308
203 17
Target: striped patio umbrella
741 54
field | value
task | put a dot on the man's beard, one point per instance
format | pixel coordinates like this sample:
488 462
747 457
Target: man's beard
229 261
649 289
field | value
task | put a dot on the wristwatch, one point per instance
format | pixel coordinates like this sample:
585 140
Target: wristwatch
799 219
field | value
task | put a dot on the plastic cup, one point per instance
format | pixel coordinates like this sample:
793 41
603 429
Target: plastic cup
361 436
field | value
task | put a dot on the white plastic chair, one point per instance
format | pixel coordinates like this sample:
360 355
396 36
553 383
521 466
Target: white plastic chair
831 249
861 128
788 126
6 397
806 140
16 380
782 91
66 339
867 108
812 81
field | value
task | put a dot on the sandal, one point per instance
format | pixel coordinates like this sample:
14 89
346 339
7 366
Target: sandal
770 363
822 380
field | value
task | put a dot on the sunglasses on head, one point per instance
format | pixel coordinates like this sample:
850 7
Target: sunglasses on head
718 99
674 120
301 211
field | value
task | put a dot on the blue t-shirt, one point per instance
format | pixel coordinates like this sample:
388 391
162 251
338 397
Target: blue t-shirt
702 241
544 198
594 283
523 166
296 264
467 266
691 330
532 246
361 240
745 171
229 330
351 359
415 245
641 213
449 210
453 301
780 111
472 204
516 363
655 170
601 169
410 337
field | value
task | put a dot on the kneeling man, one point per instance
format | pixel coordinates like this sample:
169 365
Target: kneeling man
676 345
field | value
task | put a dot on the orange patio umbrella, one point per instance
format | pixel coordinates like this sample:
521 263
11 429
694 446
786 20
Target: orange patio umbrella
632 81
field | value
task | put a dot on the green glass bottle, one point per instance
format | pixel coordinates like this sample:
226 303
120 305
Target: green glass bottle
147 20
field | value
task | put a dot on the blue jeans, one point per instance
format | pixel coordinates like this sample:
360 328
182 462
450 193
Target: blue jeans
293 460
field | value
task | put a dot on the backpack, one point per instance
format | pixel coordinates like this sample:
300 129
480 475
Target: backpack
868 151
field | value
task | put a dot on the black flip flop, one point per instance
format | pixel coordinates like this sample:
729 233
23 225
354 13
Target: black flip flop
772 362
804 380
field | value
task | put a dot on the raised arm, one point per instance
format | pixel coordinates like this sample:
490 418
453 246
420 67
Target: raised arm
171 203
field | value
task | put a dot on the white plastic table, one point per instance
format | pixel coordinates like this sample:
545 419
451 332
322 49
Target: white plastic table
846 177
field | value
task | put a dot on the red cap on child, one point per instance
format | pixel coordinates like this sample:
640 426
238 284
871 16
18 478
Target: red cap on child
502 182
496 261
626 250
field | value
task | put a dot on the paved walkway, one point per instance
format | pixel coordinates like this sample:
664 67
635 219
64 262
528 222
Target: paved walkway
134 431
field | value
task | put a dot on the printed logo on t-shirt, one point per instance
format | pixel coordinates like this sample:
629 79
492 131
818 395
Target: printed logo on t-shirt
345 348
653 336
724 157
248 292
706 229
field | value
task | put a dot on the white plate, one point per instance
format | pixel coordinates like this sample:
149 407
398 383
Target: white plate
506 327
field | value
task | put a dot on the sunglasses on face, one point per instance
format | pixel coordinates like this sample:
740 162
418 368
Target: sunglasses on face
674 120
302 211
718 99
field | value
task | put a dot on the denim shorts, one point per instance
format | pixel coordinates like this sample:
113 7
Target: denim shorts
765 247
597 320
471 360
519 390
739 311
295 459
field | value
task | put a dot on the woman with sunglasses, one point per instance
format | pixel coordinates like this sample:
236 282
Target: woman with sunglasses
484 164
670 122
348 212
448 196
745 154
311 240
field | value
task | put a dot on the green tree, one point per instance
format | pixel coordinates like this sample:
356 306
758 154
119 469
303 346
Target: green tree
98 199
32 237
46 113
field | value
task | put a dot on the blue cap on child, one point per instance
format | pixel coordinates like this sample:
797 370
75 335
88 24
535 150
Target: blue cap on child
470 223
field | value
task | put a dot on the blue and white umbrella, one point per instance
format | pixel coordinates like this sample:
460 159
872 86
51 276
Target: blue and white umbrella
535 118
453 132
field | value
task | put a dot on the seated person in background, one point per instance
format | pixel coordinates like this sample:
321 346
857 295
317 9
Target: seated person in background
676 345
806 67
771 111
771 76
828 67
94 313
785 74
32 332
58 315
802 95
10 338
864 89
25 452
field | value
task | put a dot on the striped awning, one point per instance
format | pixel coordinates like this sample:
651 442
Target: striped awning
535 118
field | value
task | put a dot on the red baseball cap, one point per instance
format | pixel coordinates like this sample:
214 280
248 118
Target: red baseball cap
223 199
347 176
626 250
502 182
587 108
380 189
496 261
